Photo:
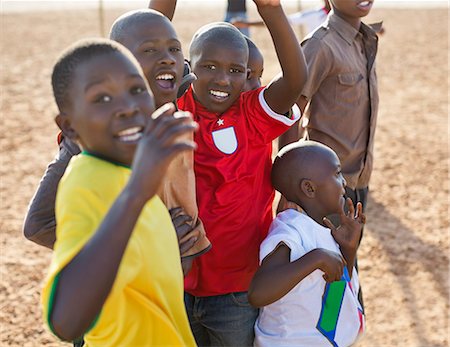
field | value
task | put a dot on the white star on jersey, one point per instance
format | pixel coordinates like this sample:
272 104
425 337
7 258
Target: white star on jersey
220 122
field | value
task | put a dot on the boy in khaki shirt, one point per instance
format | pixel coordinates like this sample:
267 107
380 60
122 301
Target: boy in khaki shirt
340 97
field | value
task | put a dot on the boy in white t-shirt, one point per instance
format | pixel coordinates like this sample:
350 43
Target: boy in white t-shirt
307 285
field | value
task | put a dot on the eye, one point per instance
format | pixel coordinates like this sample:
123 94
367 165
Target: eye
138 90
102 99
210 67
235 70
150 50
175 49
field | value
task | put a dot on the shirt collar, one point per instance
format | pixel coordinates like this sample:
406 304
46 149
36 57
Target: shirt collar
89 154
344 29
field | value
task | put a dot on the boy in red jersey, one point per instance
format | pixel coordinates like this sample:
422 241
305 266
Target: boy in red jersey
232 167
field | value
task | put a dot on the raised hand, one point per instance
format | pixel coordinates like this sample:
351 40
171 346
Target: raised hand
331 263
160 143
348 233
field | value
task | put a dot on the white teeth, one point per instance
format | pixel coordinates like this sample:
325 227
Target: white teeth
130 135
364 3
218 93
165 77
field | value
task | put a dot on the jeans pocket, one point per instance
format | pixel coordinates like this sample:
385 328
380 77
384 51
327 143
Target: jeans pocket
240 299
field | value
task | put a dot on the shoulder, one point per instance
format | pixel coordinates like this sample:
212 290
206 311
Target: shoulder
318 42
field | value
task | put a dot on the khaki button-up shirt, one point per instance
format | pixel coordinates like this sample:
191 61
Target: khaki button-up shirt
342 90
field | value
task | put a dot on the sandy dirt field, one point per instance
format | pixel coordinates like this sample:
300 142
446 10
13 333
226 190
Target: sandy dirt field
404 254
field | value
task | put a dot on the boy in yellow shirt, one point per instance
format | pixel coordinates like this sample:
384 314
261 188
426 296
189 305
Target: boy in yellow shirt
115 275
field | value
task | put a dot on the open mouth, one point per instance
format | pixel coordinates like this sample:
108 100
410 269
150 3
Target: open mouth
130 135
364 5
165 81
219 95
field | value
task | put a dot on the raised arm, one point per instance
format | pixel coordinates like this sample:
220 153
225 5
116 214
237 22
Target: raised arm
277 275
39 224
285 89
166 7
96 265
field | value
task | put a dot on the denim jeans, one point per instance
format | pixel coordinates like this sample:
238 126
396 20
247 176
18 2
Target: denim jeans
221 320
238 15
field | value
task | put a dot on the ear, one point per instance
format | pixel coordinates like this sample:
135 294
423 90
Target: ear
63 122
308 188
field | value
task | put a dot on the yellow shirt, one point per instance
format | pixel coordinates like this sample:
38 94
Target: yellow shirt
145 306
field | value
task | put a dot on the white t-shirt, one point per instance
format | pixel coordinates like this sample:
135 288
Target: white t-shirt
293 320
311 19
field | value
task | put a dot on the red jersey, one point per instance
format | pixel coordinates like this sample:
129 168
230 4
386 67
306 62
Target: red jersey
232 167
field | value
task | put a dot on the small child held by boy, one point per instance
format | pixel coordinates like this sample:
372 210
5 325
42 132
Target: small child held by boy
115 275
307 285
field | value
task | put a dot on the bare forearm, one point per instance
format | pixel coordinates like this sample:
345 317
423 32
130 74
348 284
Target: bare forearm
272 284
349 256
289 136
95 267
289 55
166 7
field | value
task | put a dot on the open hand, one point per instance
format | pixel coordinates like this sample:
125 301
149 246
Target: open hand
348 233
161 141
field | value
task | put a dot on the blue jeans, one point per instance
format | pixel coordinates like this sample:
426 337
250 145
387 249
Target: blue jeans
221 320
242 15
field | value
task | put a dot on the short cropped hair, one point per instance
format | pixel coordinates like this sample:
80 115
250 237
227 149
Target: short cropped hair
122 25
219 33
75 55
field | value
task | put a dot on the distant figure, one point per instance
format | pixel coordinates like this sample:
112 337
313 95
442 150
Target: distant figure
237 11
310 19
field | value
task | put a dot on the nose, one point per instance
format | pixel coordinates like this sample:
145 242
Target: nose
127 108
222 78
344 182
166 58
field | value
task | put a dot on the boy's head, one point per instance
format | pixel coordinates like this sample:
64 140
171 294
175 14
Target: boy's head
351 10
150 36
103 98
309 174
255 66
219 56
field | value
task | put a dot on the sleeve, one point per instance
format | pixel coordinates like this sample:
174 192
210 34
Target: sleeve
281 233
79 212
266 124
39 225
319 61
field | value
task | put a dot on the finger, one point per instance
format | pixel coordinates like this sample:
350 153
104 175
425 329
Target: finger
183 230
328 223
163 124
351 208
175 211
358 210
166 109
187 245
181 219
172 134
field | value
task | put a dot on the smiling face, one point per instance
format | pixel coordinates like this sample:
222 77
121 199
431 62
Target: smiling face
352 10
221 70
109 106
154 43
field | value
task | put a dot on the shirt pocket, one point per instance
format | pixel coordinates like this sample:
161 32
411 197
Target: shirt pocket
349 88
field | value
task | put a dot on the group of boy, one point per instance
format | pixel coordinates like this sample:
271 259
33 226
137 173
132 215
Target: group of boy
138 197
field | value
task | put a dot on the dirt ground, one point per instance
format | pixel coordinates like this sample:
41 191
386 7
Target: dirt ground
404 254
